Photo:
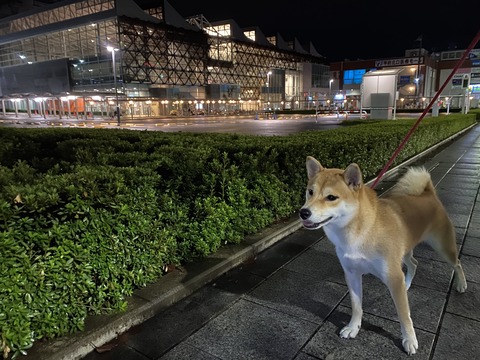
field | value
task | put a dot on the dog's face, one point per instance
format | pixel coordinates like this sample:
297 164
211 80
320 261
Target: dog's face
331 196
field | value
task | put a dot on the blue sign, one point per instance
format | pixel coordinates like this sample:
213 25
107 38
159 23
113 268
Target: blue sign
405 79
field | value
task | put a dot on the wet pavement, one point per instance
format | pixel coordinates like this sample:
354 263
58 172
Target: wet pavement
247 125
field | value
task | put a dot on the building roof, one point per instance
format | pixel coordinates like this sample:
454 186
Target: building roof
394 71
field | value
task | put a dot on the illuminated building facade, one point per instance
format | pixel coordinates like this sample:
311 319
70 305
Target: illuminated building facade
85 57
421 76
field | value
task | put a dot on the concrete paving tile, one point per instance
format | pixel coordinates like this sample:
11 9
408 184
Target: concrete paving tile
460 234
475 215
437 176
251 331
299 295
458 219
433 274
471 246
320 262
120 352
454 183
378 339
458 203
425 251
282 252
466 304
475 220
464 171
467 163
426 305
473 229
158 334
471 267
184 351
303 356
237 281
438 167
470 158
459 338
450 157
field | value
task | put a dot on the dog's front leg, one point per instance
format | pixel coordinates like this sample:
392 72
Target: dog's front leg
354 282
398 290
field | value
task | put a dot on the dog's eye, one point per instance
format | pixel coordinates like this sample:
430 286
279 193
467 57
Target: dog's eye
331 197
310 192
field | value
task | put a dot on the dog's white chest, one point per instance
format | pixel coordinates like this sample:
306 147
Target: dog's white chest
353 257
356 261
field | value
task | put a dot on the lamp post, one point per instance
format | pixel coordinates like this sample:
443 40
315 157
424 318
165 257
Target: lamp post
268 87
112 50
418 75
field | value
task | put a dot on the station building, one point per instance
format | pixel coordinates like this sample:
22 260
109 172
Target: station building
420 76
78 58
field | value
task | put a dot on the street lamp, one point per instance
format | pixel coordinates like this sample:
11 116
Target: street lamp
268 86
418 76
330 88
112 50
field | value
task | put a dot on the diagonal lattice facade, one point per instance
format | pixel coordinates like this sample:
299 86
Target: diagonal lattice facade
161 54
158 59
156 54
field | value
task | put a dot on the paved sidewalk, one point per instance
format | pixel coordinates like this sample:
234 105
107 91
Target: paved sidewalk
283 296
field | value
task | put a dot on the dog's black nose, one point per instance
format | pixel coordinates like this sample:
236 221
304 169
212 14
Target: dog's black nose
305 213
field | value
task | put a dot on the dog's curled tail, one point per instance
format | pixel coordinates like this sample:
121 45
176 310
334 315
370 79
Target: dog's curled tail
415 181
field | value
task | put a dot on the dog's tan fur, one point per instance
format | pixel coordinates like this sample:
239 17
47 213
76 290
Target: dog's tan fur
377 235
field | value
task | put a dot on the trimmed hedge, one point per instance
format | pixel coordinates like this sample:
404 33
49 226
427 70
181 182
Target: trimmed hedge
87 216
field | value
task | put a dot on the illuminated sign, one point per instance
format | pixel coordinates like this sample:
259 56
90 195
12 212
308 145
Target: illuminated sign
405 79
398 62
475 78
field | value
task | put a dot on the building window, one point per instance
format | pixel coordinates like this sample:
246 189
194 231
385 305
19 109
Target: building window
351 77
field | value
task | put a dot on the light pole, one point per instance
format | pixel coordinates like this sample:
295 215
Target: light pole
418 75
330 88
268 88
112 50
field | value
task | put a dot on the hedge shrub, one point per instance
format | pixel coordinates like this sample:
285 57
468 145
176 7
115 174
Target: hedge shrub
87 216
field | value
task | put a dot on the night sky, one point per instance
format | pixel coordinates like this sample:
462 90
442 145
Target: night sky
348 29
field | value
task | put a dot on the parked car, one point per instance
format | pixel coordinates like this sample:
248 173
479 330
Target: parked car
174 112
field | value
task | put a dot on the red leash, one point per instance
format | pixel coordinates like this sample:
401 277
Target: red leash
425 111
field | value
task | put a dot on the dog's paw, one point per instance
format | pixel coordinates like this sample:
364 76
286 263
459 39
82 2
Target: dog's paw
461 286
349 332
410 345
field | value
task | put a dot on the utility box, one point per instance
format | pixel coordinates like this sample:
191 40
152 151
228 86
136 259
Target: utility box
435 109
380 106
379 93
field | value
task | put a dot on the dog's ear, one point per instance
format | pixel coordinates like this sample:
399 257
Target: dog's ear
353 176
313 166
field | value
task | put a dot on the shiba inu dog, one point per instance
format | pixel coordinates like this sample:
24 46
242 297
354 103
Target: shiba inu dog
377 235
